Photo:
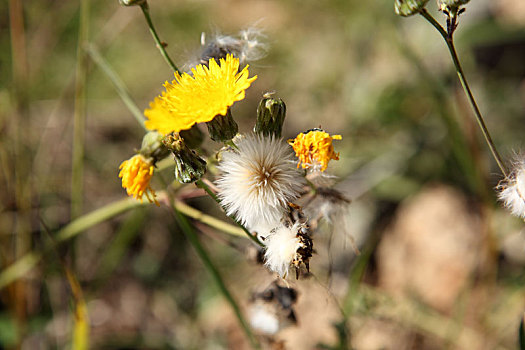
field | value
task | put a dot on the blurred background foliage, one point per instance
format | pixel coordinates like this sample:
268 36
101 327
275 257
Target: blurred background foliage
421 180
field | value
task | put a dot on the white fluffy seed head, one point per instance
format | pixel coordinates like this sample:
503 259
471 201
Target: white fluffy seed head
281 247
257 181
263 320
512 190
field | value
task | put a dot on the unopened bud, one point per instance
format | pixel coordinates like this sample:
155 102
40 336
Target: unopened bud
455 3
189 167
133 2
193 136
152 146
270 116
407 8
222 128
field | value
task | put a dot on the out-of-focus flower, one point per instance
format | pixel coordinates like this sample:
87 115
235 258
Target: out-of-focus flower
136 174
248 46
272 309
314 149
512 190
257 181
407 8
288 246
199 97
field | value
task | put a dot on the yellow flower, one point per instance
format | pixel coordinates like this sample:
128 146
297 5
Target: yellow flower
136 174
314 149
198 97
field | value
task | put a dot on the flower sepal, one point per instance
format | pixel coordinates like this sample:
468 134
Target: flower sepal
222 128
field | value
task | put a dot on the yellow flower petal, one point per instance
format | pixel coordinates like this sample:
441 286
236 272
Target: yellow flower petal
198 97
314 148
136 174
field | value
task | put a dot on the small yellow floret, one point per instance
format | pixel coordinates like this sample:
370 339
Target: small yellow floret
198 97
136 174
314 148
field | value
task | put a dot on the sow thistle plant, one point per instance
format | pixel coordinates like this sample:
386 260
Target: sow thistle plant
258 178
260 175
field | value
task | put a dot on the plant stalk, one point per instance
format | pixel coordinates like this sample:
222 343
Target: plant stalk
121 89
160 45
79 116
194 240
448 37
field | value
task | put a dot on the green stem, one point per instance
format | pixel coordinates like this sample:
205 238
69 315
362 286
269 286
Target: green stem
79 116
201 184
122 91
459 70
77 226
161 46
208 220
194 240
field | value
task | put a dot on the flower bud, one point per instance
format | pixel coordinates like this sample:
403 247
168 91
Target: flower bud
133 2
270 116
152 146
407 8
193 136
189 167
454 3
222 128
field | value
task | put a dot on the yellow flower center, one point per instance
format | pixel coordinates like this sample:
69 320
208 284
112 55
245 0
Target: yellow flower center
198 97
314 148
136 174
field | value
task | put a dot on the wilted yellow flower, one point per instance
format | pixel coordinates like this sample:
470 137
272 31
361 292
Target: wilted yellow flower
198 97
314 149
136 174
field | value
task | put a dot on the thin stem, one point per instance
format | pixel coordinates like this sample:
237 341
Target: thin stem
201 184
79 116
122 91
208 220
161 46
24 264
448 37
194 240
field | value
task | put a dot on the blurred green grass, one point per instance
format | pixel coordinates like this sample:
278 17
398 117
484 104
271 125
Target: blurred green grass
339 64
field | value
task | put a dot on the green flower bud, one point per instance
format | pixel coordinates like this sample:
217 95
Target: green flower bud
193 136
189 167
153 147
133 2
270 116
222 128
407 8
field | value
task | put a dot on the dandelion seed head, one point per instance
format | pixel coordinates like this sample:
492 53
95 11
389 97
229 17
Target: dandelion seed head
257 180
288 246
281 247
264 321
247 46
512 190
